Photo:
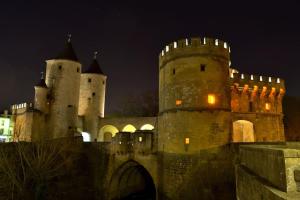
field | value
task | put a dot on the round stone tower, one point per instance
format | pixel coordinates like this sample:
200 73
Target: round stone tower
41 96
194 95
92 97
63 81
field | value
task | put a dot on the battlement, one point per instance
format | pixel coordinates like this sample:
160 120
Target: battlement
21 108
203 45
257 81
140 142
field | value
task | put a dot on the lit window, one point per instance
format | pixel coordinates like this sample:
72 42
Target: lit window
270 79
178 102
260 78
268 106
167 48
204 40
120 142
140 139
231 75
278 80
175 45
242 76
187 141
229 49
216 42
225 45
211 99
229 63
163 53
186 42
251 77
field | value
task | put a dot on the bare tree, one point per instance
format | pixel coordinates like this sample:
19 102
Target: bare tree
26 169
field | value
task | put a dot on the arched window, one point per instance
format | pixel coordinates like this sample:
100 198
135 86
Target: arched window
147 127
129 128
243 131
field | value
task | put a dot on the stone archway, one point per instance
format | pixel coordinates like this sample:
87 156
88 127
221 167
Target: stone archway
243 131
131 181
106 133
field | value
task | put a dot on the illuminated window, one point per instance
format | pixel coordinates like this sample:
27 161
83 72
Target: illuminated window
229 63
175 45
202 67
229 49
260 78
242 76
163 53
167 48
251 77
120 142
211 99
140 139
268 106
204 40
178 102
187 141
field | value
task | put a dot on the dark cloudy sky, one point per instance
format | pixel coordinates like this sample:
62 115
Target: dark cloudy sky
264 38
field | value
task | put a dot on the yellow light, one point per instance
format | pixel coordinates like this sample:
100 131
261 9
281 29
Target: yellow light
268 106
178 102
140 139
187 140
211 99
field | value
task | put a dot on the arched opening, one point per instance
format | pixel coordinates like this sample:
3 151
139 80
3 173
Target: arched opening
147 127
243 131
108 130
131 181
129 128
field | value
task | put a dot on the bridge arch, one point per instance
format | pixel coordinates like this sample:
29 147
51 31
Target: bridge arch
243 131
106 133
131 181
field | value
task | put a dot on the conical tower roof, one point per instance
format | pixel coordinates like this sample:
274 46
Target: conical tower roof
68 52
94 67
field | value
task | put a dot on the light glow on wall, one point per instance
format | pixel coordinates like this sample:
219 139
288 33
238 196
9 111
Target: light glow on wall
268 106
86 136
211 99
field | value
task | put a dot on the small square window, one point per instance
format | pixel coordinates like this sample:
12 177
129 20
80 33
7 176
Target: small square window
173 71
59 67
94 93
202 67
89 80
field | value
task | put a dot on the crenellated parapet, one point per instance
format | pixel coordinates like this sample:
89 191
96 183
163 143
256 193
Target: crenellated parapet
194 46
252 93
21 108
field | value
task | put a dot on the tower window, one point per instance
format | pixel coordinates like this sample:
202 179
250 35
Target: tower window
94 93
173 71
178 102
187 141
59 67
103 82
211 99
77 69
89 80
202 67
69 106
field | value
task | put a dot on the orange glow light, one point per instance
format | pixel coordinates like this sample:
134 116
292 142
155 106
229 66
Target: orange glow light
211 99
187 140
268 106
178 102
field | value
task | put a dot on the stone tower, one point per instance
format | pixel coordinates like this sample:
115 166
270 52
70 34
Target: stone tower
194 95
63 81
92 97
41 96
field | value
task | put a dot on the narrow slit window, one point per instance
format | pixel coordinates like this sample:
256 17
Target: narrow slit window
89 80
174 71
59 67
202 68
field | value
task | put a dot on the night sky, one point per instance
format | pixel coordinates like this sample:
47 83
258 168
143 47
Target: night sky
264 40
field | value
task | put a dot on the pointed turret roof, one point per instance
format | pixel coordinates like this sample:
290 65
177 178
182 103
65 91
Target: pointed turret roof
42 82
94 67
68 52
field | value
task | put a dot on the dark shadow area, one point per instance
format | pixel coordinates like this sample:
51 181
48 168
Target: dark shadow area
132 181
